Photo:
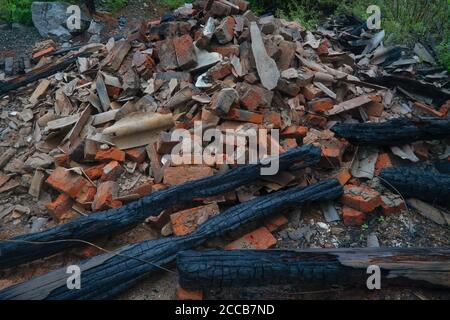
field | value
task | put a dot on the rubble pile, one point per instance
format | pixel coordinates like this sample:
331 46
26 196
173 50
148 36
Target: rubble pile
95 134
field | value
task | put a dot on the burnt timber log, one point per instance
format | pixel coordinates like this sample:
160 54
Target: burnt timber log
111 221
106 275
413 182
395 132
39 73
323 267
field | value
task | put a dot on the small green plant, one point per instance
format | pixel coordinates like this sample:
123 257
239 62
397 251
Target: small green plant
381 219
364 227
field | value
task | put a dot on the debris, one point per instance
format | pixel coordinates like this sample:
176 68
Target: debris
163 251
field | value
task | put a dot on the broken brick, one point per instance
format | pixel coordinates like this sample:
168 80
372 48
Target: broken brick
296 132
60 206
110 154
289 144
343 176
111 171
61 160
43 52
86 195
273 118
316 120
219 9
136 154
66 181
361 198
225 30
311 92
383 161
331 156
391 204
184 294
144 189
220 70
186 221
320 105
184 50
182 174
104 198
245 116
276 222
260 238
166 54
227 50
287 87
252 97
352 217
223 100
94 172
374 109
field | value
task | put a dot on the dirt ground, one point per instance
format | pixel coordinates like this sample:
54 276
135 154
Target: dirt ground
306 228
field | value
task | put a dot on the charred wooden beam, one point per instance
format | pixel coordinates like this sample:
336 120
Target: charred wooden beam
439 95
39 73
394 132
347 267
106 275
414 182
111 221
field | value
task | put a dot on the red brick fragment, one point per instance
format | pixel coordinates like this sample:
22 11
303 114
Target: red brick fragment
391 204
245 116
331 156
320 105
383 161
103 199
311 92
66 181
60 206
61 160
94 172
184 50
144 189
296 132
227 50
86 195
316 120
184 294
361 198
112 171
343 176
352 217
182 174
260 238
136 154
276 222
110 154
220 70
186 221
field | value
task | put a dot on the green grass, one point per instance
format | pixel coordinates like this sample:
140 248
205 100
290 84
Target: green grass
115 5
16 11
20 10
173 4
405 21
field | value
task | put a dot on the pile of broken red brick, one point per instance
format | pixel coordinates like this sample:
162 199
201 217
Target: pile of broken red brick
96 135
